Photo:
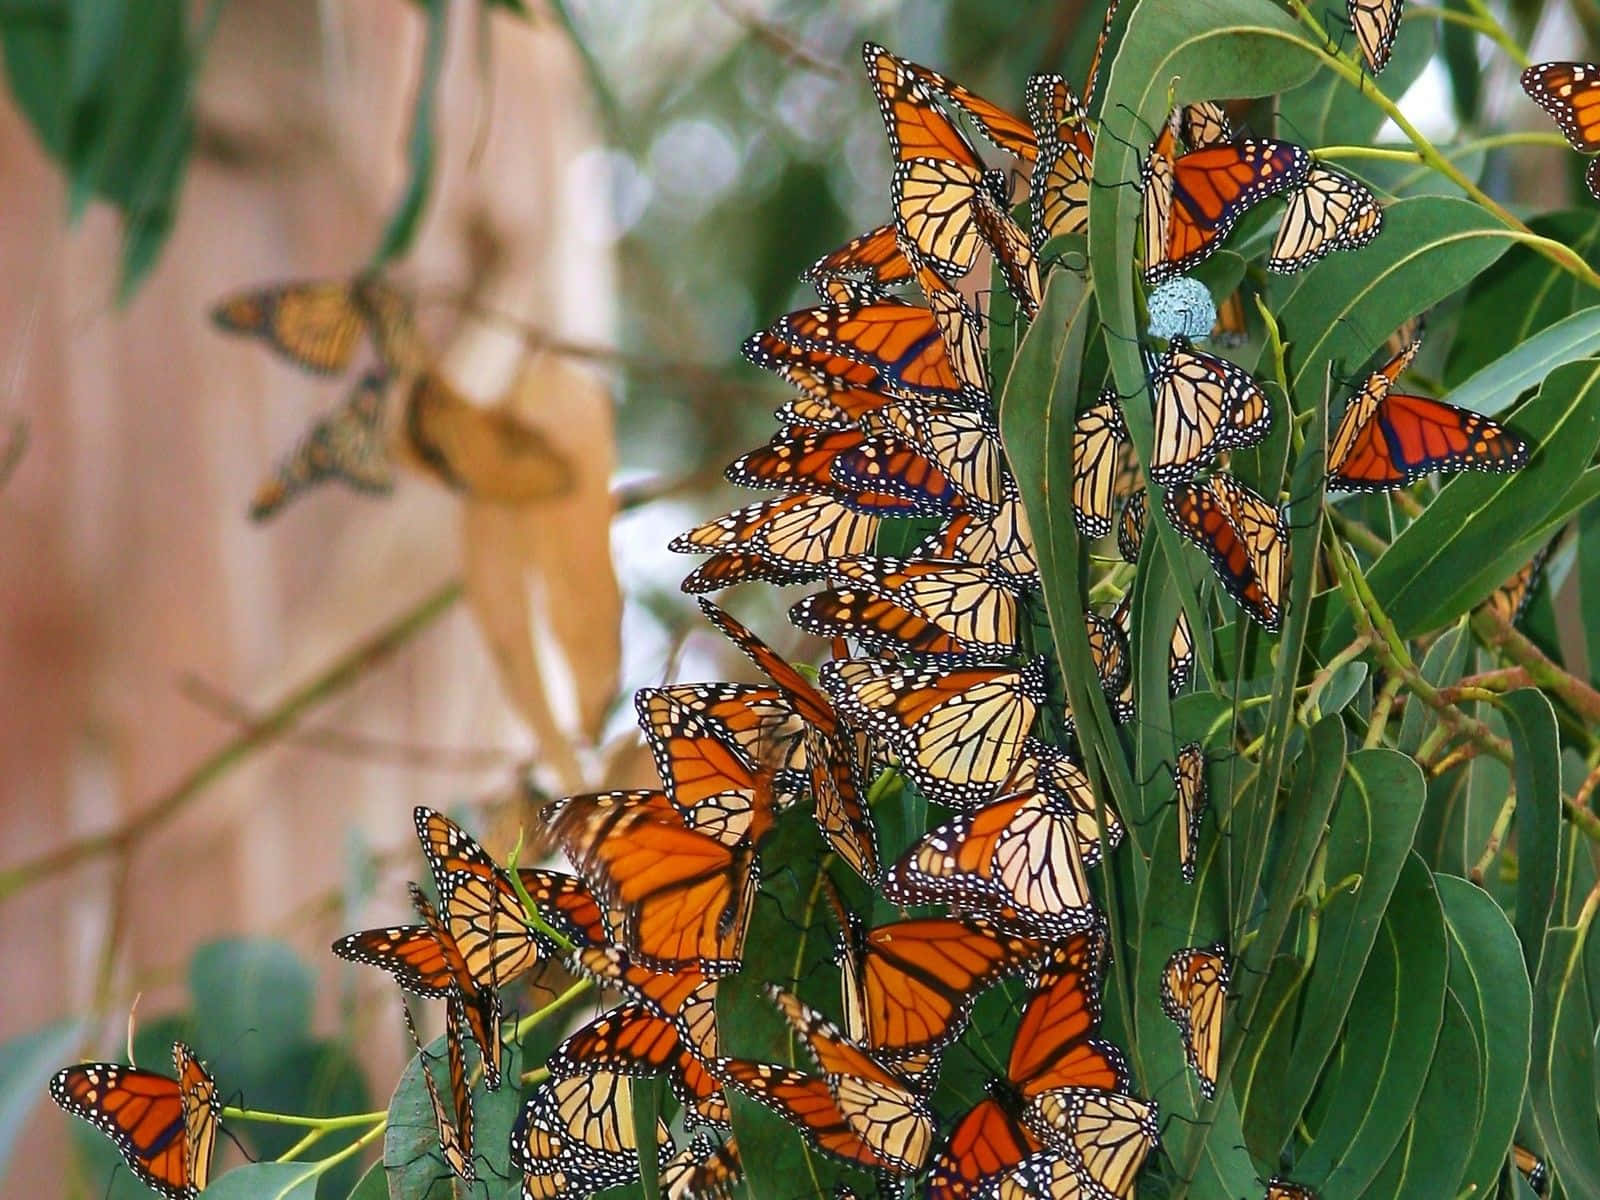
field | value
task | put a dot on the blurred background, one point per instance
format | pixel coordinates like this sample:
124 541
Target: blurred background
217 727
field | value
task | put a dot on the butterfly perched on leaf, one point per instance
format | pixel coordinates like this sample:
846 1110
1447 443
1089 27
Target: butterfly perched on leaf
1245 537
1283 1189
164 1128
318 325
1533 1169
1189 782
1203 405
1098 438
1328 211
1058 190
347 445
1194 992
1387 439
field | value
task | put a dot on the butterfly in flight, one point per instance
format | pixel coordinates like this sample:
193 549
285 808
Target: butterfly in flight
164 1128
346 445
317 325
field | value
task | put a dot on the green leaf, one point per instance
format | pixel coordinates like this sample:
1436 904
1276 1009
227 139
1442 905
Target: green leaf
1531 723
266 1181
1343 308
26 1064
1487 974
1444 663
1473 534
402 228
1369 841
254 1001
1389 1039
1497 384
1525 294
1561 1081
373 1185
1327 111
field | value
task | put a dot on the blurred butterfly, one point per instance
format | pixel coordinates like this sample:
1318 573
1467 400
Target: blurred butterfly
926 606
575 1136
1570 92
1328 211
1194 989
1231 328
940 183
873 258
1016 860
1533 1169
957 733
165 1129
455 1134
1192 201
705 1169
898 343
1376 22
872 473
787 540
1002 540
1386 439
1510 600
683 895
877 1103
1058 190
1245 537
1189 781
1097 441
1203 406
318 325
1061 1093
1283 1189
348 444
834 753
909 986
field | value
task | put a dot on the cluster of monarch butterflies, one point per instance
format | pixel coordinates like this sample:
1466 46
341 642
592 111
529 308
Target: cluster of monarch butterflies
892 422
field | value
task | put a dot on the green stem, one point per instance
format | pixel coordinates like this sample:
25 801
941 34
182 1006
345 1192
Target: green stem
311 1138
531 916
576 991
1490 26
262 1117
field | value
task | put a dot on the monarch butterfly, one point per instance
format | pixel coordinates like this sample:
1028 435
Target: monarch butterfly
1002 540
1189 781
1283 1189
1533 1168
708 776
1510 600
575 1136
346 444
1180 654
1192 201
317 325
787 540
909 986
899 343
1570 92
1204 123
1056 1069
683 895
1046 769
479 998
834 754
816 373
873 473
757 721
1194 988
705 1169
873 256
1016 860
1058 195
1204 405
1097 440
1376 22
1130 528
455 1134
939 182
165 1129
635 1039
960 328
837 409
1013 252
1108 650
806 1102
1328 211
925 605
1386 439
1231 328
1245 537
964 443
999 127
875 1101
957 733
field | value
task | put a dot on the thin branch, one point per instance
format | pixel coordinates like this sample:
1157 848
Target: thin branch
786 45
1500 635
338 676
349 745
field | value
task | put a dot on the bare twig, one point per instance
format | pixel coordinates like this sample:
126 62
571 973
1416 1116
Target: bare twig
785 44
343 672
1499 634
